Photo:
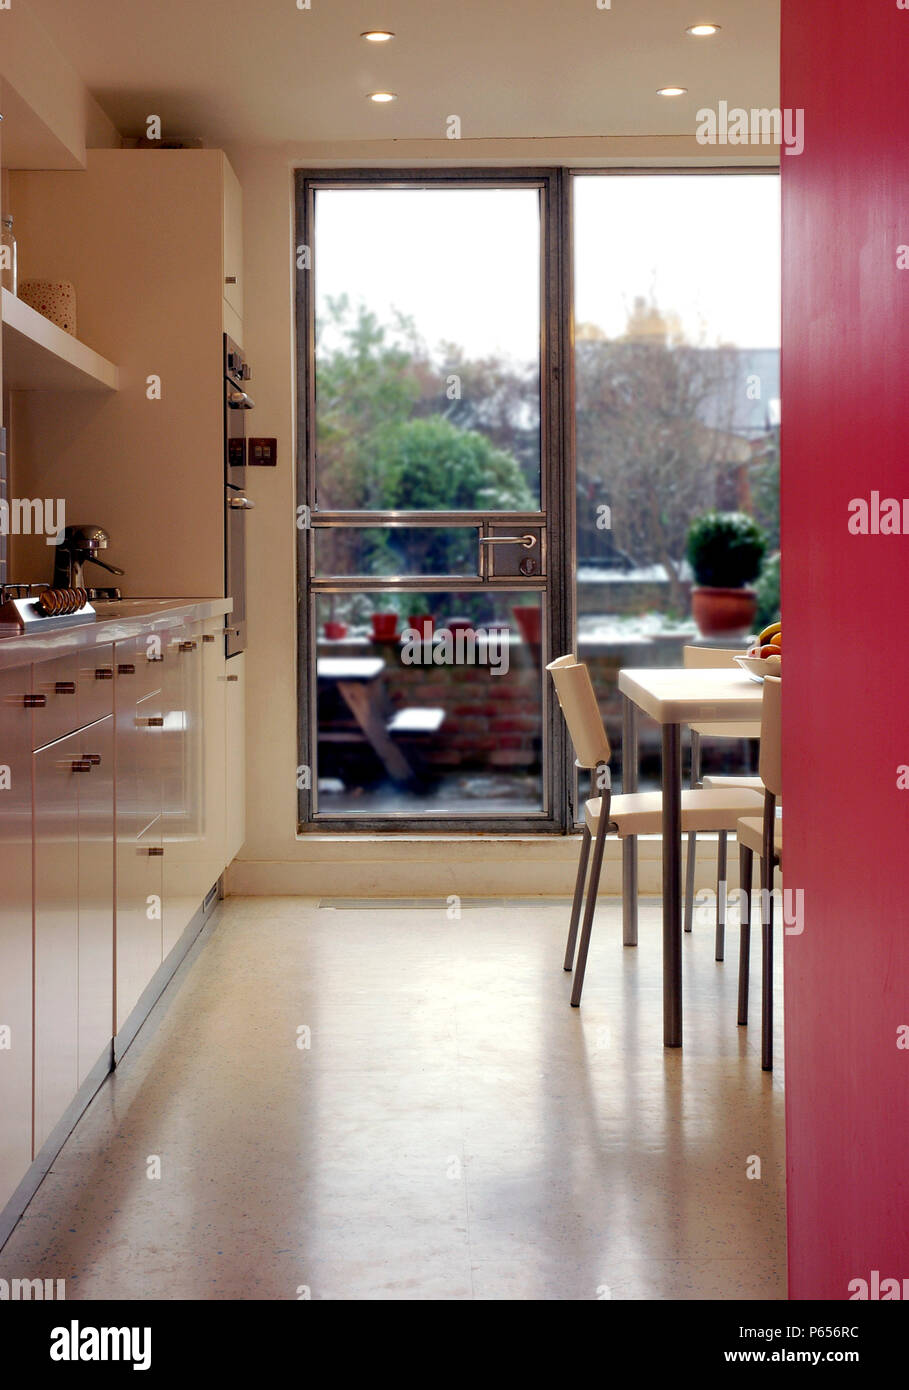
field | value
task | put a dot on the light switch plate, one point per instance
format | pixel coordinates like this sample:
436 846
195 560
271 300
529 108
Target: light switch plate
261 453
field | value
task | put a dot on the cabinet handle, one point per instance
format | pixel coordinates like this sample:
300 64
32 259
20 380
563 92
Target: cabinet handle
229 678
154 722
94 759
155 851
207 637
230 279
80 765
34 701
104 673
64 687
186 647
126 669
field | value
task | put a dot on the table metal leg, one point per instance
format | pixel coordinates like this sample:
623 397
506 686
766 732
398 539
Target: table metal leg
692 838
630 843
672 885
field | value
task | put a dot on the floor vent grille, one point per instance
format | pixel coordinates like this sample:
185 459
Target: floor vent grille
431 904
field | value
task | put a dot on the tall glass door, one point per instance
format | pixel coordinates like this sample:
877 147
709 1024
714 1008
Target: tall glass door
432 562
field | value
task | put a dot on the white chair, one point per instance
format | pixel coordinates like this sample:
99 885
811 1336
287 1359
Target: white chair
636 813
762 836
703 658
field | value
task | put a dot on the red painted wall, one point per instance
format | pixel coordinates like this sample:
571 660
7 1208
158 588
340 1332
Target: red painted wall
846 599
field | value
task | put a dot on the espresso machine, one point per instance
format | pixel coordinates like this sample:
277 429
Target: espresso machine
79 547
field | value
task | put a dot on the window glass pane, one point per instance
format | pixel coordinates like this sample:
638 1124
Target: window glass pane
677 404
396 550
427 349
429 704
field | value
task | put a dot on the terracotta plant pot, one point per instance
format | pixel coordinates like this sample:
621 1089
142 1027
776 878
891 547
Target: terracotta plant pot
384 626
421 623
335 631
528 620
723 612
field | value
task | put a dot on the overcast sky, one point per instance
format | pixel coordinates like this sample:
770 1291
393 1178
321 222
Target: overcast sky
465 263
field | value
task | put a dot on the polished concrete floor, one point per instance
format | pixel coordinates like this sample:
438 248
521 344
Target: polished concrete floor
399 1104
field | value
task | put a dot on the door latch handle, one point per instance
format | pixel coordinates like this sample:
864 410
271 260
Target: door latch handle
528 541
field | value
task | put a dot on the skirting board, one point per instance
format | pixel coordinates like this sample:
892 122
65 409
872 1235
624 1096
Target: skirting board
483 866
42 1163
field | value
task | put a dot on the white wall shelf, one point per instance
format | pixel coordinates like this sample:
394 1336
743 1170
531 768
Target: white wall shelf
39 356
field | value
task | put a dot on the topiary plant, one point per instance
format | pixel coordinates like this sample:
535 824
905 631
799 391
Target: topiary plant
725 549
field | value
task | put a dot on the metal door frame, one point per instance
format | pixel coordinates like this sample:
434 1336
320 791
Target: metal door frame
556 492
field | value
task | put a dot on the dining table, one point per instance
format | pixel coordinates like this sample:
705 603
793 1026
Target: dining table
673 697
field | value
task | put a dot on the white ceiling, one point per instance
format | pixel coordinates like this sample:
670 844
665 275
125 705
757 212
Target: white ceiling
259 71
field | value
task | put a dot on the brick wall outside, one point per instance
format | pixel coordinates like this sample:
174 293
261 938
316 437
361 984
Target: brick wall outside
494 721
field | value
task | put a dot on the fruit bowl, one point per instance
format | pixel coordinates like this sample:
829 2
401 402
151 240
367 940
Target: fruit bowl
757 667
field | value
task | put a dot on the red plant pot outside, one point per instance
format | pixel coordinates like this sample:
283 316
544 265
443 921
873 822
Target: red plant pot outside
723 612
384 626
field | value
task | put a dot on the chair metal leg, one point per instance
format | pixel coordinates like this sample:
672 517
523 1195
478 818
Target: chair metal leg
689 880
746 871
767 963
630 843
599 845
720 951
578 900
692 838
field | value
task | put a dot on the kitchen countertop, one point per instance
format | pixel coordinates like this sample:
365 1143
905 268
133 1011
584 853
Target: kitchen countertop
114 622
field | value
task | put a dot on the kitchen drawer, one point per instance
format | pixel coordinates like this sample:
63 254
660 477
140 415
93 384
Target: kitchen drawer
96 683
138 668
57 682
149 720
77 689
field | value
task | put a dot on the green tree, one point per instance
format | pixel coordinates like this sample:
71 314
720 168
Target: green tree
432 465
365 378
384 441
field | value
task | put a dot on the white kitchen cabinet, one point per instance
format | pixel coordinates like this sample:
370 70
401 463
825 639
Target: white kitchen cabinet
56 931
233 255
96 895
140 914
74 915
213 855
235 754
139 848
184 886
15 929
112 833
159 231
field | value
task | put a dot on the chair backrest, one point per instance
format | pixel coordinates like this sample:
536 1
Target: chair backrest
771 761
700 658
582 713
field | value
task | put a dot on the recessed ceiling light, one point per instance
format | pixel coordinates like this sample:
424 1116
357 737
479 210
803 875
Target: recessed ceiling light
702 31
377 35
383 96
671 91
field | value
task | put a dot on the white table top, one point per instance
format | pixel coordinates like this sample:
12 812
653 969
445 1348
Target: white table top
349 668
680 696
